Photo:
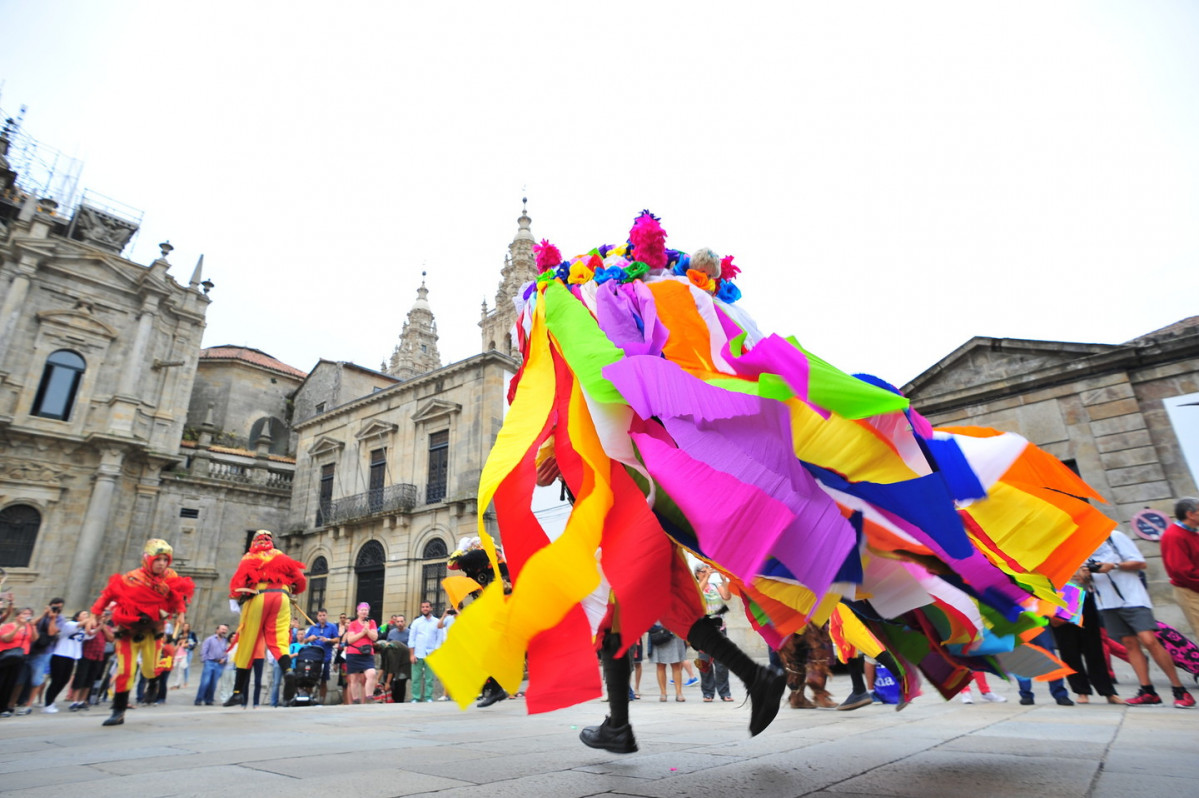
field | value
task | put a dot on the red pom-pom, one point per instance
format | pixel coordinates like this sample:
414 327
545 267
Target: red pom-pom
727 270
548 256
649 241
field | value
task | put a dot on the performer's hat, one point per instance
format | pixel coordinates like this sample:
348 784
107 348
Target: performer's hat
264 533
154 548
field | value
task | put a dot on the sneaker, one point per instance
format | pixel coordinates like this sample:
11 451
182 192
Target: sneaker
49 709
617 739
444 698
24 710
1184 701
690 682
6 714
1064 701
1145 699
967 698
994 698
1027 701
856 701
875 697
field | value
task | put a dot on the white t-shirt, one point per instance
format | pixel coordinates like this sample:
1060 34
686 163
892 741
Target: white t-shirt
70 640
1116 589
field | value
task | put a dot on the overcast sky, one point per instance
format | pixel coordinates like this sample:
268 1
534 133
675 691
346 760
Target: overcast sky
893 178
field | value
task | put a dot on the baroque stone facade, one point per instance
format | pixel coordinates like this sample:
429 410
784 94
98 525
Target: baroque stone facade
97 356
1116 413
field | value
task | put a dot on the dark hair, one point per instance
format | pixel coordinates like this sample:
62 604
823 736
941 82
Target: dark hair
57 601
1185 506
322 609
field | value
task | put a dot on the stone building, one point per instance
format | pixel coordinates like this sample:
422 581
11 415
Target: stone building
1124 416
97 357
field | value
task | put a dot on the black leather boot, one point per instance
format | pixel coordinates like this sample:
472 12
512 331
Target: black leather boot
492 692
765 684
615 734
241 689
609 737
119 702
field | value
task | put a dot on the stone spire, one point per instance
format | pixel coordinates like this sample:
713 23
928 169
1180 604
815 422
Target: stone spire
520 266
197 275
416 353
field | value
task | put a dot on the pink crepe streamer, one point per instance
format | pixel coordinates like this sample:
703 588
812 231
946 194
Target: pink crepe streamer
721 509
748 438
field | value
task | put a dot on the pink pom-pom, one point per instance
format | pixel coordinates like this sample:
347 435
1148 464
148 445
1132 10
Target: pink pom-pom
728 270
548 256
649 241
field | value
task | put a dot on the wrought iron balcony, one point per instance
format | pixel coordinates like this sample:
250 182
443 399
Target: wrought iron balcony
393 498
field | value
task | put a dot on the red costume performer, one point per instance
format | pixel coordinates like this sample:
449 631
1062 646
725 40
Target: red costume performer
264 583
141 600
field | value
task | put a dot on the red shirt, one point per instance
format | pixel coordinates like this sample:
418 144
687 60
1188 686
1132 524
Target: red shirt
20 640
362 645
1180 556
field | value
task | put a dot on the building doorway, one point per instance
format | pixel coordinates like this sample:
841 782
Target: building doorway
369 567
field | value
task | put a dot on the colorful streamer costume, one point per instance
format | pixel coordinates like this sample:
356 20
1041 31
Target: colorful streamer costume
676 423
140 601
473 573
264 583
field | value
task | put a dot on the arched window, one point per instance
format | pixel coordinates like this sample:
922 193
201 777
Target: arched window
19 524
317 579
60 380
432 573
369 566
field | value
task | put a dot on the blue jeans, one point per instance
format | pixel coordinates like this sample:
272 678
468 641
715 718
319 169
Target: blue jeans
276 677
208 682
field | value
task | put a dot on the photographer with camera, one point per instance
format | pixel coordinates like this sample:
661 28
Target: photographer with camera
38 662
1127 614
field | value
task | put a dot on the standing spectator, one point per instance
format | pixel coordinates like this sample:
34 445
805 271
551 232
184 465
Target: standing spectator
360 655
1180 556
37 664
714 678
324 634
1127 614
185 644
1081 648
15 636
213 655
91 664
423 639
67 652
668 651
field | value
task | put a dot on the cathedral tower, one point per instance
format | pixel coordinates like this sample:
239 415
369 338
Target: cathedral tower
520 266
416 352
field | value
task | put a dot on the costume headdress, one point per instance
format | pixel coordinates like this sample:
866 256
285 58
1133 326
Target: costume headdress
154 548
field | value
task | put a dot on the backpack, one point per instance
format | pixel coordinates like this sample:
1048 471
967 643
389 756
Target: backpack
659 635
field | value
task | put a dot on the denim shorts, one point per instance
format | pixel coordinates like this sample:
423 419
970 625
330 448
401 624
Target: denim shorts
37 664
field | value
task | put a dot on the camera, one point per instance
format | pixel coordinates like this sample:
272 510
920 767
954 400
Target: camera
1093 565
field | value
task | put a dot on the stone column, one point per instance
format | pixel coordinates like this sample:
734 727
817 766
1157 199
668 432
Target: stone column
14 302
95 521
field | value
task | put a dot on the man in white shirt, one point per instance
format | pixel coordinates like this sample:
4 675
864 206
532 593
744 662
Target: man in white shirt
1127 614
424 637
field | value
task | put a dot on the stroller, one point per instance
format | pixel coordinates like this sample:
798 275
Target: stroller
308 664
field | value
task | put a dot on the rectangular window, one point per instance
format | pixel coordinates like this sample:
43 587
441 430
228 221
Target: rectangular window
439 466
189 512
325 500
431 590
316 594
378 476
320 407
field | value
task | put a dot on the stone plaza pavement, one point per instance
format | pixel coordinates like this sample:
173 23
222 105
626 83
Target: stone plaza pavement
932 748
